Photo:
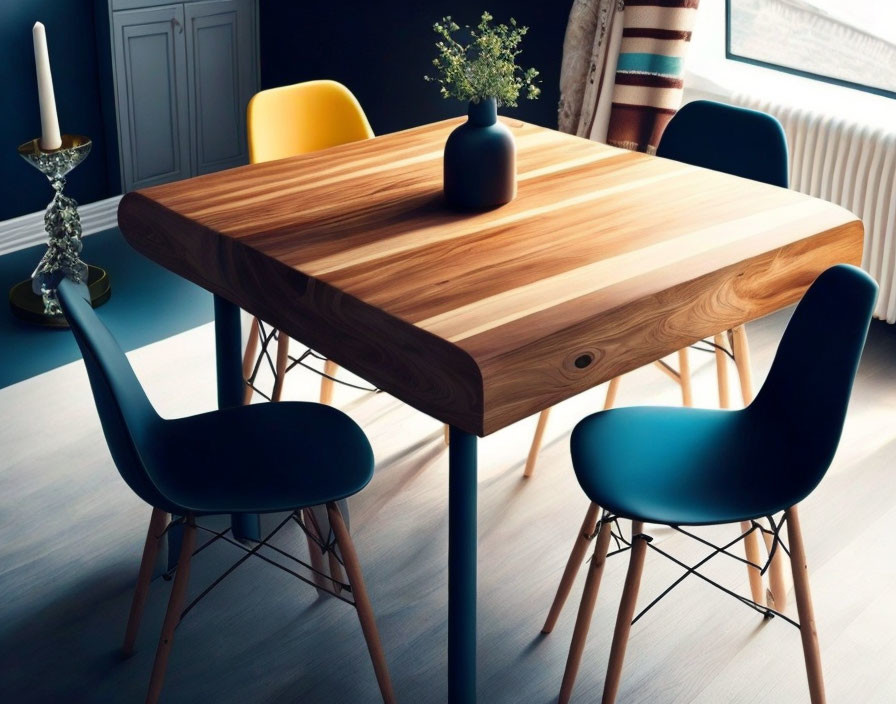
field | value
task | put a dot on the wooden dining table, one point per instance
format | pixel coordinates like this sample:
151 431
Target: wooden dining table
606 260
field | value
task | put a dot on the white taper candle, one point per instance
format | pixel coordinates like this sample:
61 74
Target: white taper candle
49 122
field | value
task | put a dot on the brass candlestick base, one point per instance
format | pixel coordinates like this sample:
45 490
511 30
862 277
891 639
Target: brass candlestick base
35 300
29 306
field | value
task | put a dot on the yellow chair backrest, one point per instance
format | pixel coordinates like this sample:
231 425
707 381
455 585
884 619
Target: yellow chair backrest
303 118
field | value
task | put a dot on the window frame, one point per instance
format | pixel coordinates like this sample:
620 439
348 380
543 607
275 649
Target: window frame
730 55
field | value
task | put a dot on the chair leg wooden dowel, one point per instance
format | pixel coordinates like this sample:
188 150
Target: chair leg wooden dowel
172 615
362 602
249 360
808 630
335 572
722 371
777 584
741 350
326 385
738 340
586 609
754 574
626 612
157 523
612 389
314 551
536 442
282 364
684 377
579 550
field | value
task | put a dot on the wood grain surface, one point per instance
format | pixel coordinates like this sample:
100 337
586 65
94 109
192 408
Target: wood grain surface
605 261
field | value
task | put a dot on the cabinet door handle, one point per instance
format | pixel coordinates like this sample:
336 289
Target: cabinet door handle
175 23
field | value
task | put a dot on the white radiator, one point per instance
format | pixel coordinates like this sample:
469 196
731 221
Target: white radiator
853 165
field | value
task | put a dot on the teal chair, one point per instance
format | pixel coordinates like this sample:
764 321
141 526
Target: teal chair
266 458
750 144
693 467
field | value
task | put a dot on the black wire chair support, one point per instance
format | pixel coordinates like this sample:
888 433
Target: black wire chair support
255 551
267 336
711 347
316 535
263 354
624 545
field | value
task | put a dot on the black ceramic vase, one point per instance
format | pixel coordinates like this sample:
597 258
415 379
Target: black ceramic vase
480 161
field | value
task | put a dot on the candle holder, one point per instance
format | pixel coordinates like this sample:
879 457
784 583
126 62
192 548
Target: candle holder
35 300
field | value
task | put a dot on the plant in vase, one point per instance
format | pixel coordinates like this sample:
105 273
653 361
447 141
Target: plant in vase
480 155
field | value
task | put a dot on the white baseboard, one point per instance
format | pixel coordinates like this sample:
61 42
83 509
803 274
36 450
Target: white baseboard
28 230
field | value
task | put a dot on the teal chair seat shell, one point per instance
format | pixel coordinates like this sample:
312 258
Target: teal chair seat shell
684 466
263 458
254 459
679 466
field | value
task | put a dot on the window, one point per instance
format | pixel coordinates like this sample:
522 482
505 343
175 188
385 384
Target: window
849 43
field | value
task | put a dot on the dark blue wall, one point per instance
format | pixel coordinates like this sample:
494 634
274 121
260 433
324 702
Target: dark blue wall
73 57
382 49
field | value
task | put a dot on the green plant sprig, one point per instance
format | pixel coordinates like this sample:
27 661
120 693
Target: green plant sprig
486 66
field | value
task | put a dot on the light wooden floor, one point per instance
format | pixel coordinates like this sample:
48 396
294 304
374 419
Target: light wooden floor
72 532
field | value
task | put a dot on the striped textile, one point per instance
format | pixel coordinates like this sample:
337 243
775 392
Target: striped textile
590 48
655 38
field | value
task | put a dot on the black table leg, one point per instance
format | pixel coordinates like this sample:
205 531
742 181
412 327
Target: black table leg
462 544
228 348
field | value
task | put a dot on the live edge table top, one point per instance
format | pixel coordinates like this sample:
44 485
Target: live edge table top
605 261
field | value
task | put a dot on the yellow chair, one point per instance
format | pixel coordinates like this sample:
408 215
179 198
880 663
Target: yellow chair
289 121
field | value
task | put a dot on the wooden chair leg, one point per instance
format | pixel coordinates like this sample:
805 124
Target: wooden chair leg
447 434
326 385
314 551
626 612
282 364
249 360
335 572
612 388
536 442
722 371
579 549
741 351
172 615
157 523
754 574
586 609
808 631
684 377
777 584
362 602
